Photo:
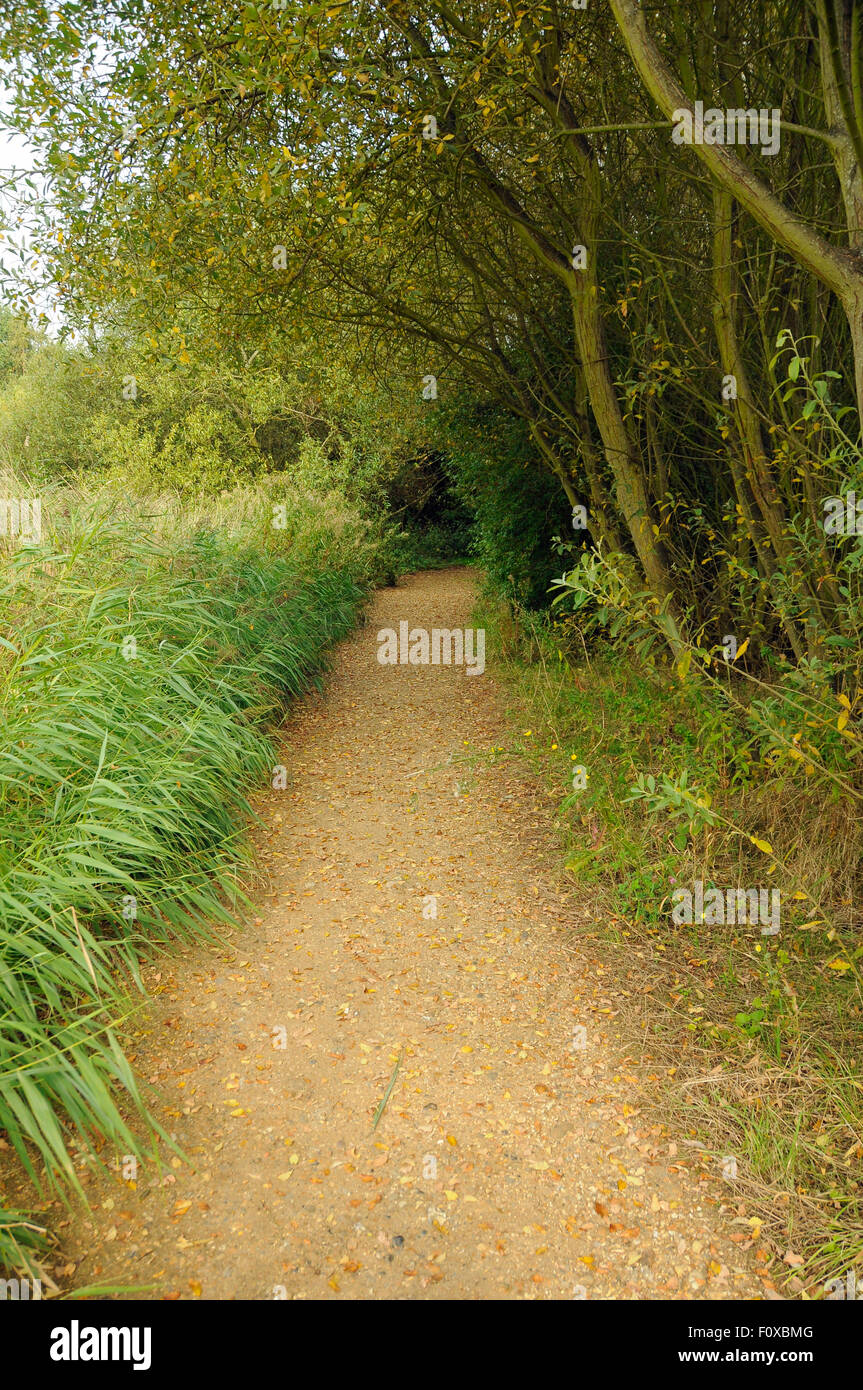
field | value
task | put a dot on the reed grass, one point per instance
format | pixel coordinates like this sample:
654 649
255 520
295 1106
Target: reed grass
145 653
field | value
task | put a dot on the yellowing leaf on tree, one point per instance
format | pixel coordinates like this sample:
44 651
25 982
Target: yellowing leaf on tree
742 648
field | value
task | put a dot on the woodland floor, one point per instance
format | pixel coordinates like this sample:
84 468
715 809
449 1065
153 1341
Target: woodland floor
508 1162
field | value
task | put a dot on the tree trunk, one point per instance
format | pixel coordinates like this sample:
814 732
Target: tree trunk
840 268
620 451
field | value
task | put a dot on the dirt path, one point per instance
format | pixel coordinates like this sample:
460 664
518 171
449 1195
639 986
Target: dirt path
510 1160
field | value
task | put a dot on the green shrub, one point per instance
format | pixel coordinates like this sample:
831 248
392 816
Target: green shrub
516 505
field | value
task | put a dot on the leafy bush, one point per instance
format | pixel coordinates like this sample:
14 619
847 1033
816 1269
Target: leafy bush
516 505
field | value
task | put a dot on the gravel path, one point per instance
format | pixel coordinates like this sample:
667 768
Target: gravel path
515 1156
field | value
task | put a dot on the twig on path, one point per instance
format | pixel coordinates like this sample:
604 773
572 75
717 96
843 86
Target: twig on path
389 1091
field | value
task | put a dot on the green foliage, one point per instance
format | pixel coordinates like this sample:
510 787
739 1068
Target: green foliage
153 422
700 779
449 258
47 404
677 800
125 769
516 506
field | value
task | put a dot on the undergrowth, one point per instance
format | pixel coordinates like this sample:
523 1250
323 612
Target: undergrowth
659 783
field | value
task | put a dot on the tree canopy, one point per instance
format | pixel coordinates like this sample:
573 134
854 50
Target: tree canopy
493 199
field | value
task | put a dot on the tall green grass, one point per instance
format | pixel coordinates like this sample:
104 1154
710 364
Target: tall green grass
142 661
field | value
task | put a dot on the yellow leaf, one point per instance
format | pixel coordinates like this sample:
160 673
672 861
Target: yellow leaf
742 648
839 964
842 720
761 844
843 700
683 665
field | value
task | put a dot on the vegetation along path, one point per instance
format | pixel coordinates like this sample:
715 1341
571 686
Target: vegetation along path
512 1158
